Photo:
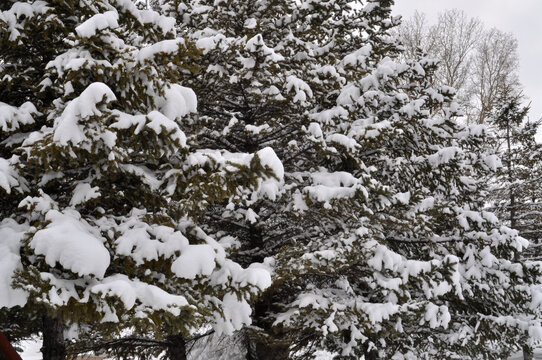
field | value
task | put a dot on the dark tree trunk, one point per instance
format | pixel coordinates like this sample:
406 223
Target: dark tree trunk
260 350
54 347
527 353
371 355
176 349
272 343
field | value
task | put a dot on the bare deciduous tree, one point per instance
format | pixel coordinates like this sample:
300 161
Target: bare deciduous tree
495 68
475 61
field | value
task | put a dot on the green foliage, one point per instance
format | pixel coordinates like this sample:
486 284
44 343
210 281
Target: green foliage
107 192
379 239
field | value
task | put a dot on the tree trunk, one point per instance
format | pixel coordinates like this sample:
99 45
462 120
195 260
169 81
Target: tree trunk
371 355
176 349
527 353
265 350
272 343
54 347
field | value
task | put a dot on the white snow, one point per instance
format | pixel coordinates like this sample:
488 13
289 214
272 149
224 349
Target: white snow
31 349
315 130
328 116
143 243
125 121
8 176
301 88
349 94
165 46
13 17
83 193
271 186
178 102
159 122
236 315
146 296
269 158
73 243
12 117
11 234
256 44
403 198
209 42
165 23
98 23
327 186
195 260
379 312
267 186
250 23
68 127
358 57
147 176
256 130
444 155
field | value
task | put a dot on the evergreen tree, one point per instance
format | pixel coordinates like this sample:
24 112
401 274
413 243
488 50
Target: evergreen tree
379 241
515 196
30 36
102 227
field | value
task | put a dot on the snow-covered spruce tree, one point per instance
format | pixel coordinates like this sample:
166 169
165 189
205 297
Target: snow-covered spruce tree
29 38
261 75
381 247
106 230
420 272
515 195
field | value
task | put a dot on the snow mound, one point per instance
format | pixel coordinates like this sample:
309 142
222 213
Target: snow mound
11 235
71 242
67 127
97 23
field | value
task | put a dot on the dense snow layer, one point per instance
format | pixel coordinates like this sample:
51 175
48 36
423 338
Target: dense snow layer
69 127
8 176
12 118
159 122
11 234
97 23
146 296
272 186
170 46
143 242
194 260
236 315
178 102
256 44
73 243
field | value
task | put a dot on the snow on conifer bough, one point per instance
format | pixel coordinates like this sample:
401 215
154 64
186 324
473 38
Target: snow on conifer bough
247 166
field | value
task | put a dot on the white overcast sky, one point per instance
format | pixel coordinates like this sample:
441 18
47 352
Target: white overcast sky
523 18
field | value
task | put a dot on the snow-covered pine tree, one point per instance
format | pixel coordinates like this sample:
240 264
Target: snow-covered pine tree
380 244
106 230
